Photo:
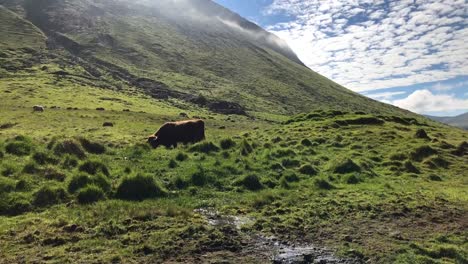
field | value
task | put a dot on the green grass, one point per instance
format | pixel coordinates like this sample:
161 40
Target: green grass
345 180
72 190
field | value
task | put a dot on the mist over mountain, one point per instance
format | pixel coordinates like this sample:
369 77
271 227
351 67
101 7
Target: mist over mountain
195 51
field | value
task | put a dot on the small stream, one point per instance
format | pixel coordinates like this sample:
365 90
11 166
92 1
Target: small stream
279 252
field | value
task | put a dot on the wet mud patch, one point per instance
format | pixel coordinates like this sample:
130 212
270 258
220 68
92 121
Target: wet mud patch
269 249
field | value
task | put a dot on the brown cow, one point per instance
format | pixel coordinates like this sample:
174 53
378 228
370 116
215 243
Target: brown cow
171 133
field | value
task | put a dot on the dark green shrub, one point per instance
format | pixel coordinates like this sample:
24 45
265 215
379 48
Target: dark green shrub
308 170
284 183
90 194
346 166
70 162
19 148
199 178
277 167
462 149
291 177
227 143
14 204
139 188
437 162
31 168
94 167
8 170
421 133
225 155
181 156
102 182
398 157
92 147
290 163
251 182
204 147
306 142
180 183
78 182
434 177
270 183
53 174
280 153
323 184
352 179
1 155
276 139
172 164
43 158
69 147
47 196
21 185
422 152
409 167
245 148
6 185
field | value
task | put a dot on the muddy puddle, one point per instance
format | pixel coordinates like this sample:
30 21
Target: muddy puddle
278 252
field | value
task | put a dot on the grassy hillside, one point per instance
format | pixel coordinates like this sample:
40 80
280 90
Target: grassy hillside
207 51
312 171
362 185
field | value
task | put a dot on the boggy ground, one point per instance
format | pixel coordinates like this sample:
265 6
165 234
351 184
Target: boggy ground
359 187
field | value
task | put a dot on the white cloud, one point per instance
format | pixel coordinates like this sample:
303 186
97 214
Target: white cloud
396 44
424 101
447 87
385 96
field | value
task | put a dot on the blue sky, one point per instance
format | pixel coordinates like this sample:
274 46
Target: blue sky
410 53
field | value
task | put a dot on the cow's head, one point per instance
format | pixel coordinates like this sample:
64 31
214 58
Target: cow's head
153 141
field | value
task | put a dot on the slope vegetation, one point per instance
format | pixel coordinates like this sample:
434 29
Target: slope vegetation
205 55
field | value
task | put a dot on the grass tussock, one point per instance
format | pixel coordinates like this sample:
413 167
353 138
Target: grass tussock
90 194
70 147
345 166
204 147
138 188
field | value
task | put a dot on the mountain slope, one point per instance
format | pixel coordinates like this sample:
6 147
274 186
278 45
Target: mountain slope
457 121
80 184
182 49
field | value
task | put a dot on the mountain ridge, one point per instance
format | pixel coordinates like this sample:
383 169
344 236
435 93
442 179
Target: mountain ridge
460 121
217 57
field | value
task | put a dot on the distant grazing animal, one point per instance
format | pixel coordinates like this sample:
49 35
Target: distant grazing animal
38 108
171 133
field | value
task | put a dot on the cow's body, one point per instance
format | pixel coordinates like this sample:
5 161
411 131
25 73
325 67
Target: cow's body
171 133
38 108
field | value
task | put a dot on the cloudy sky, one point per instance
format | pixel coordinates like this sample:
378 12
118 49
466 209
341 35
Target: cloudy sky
410 53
